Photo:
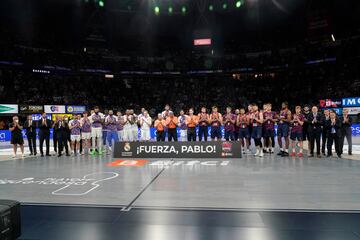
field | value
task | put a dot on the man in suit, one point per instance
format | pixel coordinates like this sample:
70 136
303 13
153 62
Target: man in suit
30 127
315 121
61 128
44 125
346 131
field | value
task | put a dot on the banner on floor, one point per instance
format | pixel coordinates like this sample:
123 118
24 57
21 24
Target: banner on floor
31 109
9 108
214 149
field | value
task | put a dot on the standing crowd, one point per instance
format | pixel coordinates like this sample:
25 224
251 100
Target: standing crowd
95 133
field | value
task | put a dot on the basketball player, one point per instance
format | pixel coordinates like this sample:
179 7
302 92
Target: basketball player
97 119
134 126
203 124
104 128
75 134
296 131
269 128
85 132
111 125
182 126
160 128
166 111
191 122
216 122
236 132
256 120
145 124
250 110
244 136
128 119
120 126
229 120
283 129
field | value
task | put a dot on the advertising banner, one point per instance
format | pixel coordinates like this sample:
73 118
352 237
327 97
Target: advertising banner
30 109
37 116
54 108
353 110
330 103
75 109
215 149
69 116
9 108
351 102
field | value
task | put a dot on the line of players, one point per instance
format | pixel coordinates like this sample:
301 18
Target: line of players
98 131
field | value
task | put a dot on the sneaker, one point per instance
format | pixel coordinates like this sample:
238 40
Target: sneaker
285 154
280 153
293 154
243 152
248 151
300 155
261 154
271 151
257 152
14 156
22 155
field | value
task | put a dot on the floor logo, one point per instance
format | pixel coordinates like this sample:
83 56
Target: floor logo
128 163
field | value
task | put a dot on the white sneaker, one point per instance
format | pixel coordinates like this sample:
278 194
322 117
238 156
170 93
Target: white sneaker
261 154
22 155
248 151
14 155
257 152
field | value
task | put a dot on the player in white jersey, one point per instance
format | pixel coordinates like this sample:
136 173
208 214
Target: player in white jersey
97 119
166 111
85 132
128 121
145 124
134 127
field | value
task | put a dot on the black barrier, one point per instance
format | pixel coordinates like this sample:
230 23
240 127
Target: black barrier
215 149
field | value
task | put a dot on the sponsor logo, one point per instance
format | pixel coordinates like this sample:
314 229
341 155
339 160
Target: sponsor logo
128 163
75 109
167 163
31 109
70 109
68 186
330 103
127 147
351 102
8 108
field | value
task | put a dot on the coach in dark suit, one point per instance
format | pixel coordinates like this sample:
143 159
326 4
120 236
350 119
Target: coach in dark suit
44 125
61 128
30 127
316 122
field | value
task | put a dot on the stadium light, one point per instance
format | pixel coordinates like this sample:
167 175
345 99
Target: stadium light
211 7
170 10
101 3
238 4
224 6
157 10
183 9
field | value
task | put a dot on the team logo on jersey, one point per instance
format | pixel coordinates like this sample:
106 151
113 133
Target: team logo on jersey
127 147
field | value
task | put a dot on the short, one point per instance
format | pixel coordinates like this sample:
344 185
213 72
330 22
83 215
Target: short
268 132
296 136
256 132
145 134
96 132
17 139
74 138
86 135
283 130
244 133
215 132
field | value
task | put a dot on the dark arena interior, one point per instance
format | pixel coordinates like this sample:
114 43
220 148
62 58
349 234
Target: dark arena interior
180 119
